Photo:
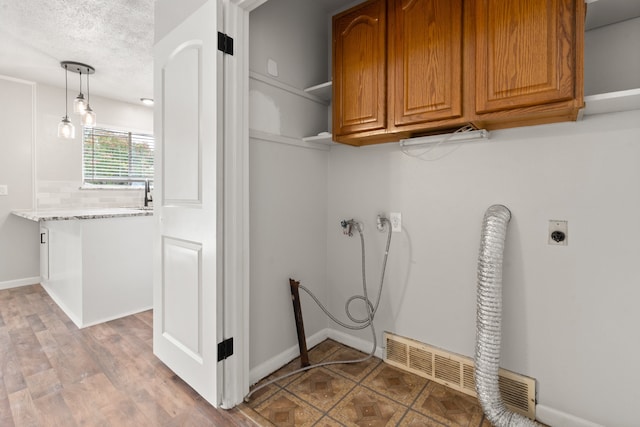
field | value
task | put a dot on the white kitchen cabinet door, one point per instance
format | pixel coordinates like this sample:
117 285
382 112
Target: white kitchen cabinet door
187 273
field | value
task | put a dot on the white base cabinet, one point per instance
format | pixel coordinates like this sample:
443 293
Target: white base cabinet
98 270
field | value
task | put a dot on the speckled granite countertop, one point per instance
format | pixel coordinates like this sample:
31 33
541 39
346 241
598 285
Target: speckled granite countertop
67 214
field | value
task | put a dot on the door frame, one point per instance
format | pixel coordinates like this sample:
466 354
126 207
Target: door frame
236 201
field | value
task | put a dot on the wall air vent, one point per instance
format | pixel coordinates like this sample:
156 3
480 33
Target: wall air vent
457 372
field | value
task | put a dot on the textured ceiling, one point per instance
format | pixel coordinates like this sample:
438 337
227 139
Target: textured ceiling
113 36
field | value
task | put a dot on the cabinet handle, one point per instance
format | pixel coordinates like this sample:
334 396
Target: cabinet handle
42 238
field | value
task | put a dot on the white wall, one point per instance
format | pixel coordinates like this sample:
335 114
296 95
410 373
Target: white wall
288 188
569 318
19 251
611 59
288 180
43 170
568 311
59 161
297 44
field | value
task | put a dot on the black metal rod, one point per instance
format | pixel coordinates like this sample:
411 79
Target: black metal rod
297 312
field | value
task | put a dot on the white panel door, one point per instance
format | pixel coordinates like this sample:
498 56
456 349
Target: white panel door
187 307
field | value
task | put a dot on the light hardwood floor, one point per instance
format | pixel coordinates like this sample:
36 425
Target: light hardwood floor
54 374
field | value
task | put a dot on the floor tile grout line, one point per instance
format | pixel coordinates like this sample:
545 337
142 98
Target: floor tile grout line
337 371
314 406
322 412
371 389
296 378
406 408
341 399
419 393
265 397
330 417
415 399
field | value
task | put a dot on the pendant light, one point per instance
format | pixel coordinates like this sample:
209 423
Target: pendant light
79 104
89 118
65 127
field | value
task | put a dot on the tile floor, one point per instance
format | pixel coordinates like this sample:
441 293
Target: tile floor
367 394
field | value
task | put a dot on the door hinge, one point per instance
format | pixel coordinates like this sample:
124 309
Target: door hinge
225 349
225 43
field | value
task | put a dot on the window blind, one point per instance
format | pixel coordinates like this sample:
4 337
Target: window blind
112 157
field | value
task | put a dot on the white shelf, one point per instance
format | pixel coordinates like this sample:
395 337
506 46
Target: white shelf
611 102
322 91
322 139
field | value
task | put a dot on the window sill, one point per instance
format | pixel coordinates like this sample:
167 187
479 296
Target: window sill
112 187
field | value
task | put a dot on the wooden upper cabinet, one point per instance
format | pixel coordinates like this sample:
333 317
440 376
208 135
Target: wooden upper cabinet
359 75
528 53
425 60
436 65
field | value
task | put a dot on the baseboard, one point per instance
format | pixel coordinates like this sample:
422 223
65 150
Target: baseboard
116 316
553 417
19 282
70 314
355 342
278 361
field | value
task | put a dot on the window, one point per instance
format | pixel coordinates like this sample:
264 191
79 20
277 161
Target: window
112 157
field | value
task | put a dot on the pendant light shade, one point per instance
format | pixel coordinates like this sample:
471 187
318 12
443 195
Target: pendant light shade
65 127
80 105
89 118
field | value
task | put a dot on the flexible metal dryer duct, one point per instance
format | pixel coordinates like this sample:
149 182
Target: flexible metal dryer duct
489 320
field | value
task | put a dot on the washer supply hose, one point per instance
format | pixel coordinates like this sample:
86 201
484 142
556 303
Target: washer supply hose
359 323
489 320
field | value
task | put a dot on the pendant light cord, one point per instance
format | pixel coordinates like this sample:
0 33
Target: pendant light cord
66 90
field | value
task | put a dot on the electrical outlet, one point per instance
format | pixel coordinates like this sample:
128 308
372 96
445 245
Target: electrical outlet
4 190
558 232
396 221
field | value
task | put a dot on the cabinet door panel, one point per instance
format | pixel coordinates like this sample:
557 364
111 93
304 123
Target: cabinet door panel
525 53
359 76
425 60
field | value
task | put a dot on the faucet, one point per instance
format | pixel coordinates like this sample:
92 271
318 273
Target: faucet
147 193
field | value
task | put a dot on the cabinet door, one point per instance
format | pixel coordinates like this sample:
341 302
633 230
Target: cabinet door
425 60
44 254
359 69
525 53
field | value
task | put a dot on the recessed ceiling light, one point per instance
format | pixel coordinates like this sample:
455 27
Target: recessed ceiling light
147 101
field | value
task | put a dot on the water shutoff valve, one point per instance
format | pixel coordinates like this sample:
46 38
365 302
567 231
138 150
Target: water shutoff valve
346 227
